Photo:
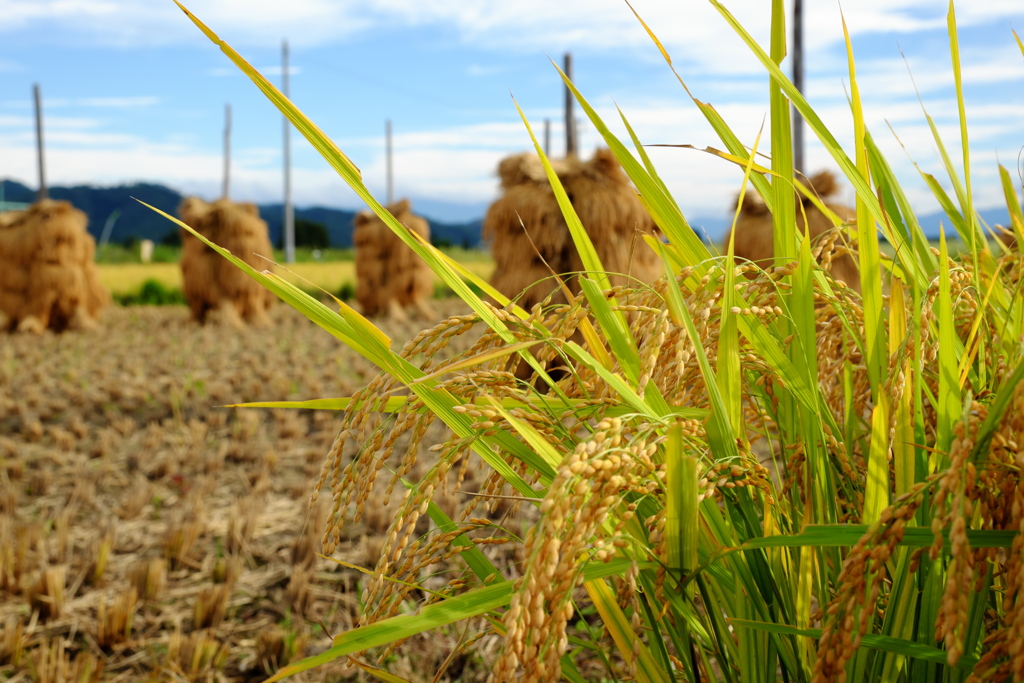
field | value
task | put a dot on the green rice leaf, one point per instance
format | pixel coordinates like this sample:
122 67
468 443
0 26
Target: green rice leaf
621 631
719 429
473 603
662 209
721 128
948 399
534 438
811 117
1012 203
580 236
620 340
954 51
642 153
464 606
901 228
871 285
681 506
899 646
474 557
876 487
350 174
843 535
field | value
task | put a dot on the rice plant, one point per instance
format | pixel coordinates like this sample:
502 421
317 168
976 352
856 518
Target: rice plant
737 474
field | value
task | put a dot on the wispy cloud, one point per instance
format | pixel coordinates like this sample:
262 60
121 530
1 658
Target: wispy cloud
27 123
119 102
124 102
893 78
457 162
522 25
109 159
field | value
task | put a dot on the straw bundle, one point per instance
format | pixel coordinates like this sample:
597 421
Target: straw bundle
1003 234
212 284
755 241
390 277
47 275
530 238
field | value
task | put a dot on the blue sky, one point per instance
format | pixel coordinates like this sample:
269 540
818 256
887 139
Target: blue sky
133 91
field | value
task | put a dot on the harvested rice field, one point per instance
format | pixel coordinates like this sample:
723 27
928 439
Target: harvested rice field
127 278
148 534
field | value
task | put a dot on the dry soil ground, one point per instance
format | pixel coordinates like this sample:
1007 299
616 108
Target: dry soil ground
146 534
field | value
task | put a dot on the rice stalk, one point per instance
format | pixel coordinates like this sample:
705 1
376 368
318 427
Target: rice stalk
835 564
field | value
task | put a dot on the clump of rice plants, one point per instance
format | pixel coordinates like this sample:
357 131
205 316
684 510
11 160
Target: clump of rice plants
196 656
276 646
114 620
47 594
740 474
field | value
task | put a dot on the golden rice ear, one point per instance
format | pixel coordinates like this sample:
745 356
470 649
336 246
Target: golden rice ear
250 209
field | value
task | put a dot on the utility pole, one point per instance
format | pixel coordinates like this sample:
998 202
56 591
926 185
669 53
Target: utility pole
547 137
289 211
39 142
798 81
570 120
227 151
390 172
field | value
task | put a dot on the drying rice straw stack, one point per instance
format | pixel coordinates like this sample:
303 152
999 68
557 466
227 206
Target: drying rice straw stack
530 239
1003 234
213 286
390 277
47 275
754 236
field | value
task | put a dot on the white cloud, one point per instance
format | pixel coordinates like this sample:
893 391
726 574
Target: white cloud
457 163
886 79
131 23
27 123
109 159
692 30
123 102
119 102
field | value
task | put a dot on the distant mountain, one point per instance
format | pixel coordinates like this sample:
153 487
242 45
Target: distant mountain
930 222
137 221
99 204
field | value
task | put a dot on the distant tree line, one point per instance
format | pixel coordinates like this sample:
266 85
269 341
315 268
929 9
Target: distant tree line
308 234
